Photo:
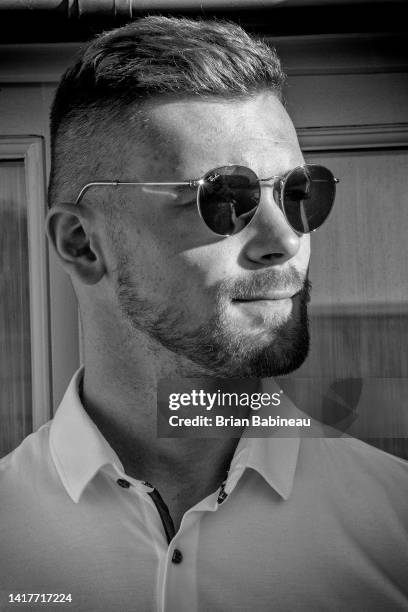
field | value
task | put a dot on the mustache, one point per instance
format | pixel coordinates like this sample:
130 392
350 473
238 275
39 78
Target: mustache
266 282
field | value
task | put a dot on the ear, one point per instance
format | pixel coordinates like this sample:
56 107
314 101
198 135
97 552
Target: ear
68 230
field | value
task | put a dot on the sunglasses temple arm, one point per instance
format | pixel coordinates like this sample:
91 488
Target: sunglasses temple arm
192 183
89 185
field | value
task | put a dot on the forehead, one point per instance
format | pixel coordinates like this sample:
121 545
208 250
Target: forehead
191 136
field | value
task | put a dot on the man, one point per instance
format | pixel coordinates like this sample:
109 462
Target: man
154 120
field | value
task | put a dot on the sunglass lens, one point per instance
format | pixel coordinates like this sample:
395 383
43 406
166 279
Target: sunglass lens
308 197
228 198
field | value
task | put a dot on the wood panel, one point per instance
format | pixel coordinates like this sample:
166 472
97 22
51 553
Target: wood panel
356 376
359 256
359 322
24 305
15 333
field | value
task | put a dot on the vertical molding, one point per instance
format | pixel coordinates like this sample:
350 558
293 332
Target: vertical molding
31 150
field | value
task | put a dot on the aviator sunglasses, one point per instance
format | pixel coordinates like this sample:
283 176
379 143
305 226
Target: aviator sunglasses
228 197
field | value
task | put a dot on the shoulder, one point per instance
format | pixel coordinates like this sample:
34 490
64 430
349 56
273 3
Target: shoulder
364 457
26 463
360 469
348 451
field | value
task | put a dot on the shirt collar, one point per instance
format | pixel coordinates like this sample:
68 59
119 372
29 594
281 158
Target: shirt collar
79 450
274 456
77 447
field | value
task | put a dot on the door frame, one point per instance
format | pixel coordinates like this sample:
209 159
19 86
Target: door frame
32 150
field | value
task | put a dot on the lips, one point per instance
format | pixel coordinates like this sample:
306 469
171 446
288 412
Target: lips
278 295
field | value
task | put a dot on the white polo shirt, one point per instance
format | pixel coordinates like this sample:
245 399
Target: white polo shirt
311 524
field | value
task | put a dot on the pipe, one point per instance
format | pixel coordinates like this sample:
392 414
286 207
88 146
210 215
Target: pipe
75 9
127 9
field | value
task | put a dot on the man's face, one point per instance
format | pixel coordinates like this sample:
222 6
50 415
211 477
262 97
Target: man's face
234 306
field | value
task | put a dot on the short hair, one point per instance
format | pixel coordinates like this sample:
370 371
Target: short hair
114 78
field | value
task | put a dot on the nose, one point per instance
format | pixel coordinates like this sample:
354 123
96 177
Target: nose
273 240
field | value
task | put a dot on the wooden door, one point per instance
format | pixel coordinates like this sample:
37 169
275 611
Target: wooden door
24 342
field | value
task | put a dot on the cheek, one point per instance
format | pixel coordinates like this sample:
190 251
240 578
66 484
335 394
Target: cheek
178 242
159 268
212 264
174 258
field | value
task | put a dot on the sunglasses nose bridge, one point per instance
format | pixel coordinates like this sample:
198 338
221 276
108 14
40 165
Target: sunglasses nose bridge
270 210
273 240
271 187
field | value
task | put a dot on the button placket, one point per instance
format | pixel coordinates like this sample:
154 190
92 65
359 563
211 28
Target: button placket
179 589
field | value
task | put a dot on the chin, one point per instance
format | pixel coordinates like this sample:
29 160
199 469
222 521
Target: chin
284 353
275 361
261 339
236 353
241 343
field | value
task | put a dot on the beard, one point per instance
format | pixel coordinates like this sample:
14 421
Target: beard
219 347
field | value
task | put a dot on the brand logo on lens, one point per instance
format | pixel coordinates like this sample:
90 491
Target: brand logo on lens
213 177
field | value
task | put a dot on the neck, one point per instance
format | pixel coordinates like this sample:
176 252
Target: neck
119 394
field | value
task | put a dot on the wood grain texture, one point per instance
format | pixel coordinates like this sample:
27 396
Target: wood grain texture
359 256
15 349
352 351
359 274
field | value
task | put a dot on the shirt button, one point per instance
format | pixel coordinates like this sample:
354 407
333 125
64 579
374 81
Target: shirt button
177 556
123 483
223 495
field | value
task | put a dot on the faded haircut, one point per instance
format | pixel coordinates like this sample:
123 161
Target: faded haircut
102 96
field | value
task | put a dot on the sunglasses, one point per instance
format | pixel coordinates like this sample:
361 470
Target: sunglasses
228 197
